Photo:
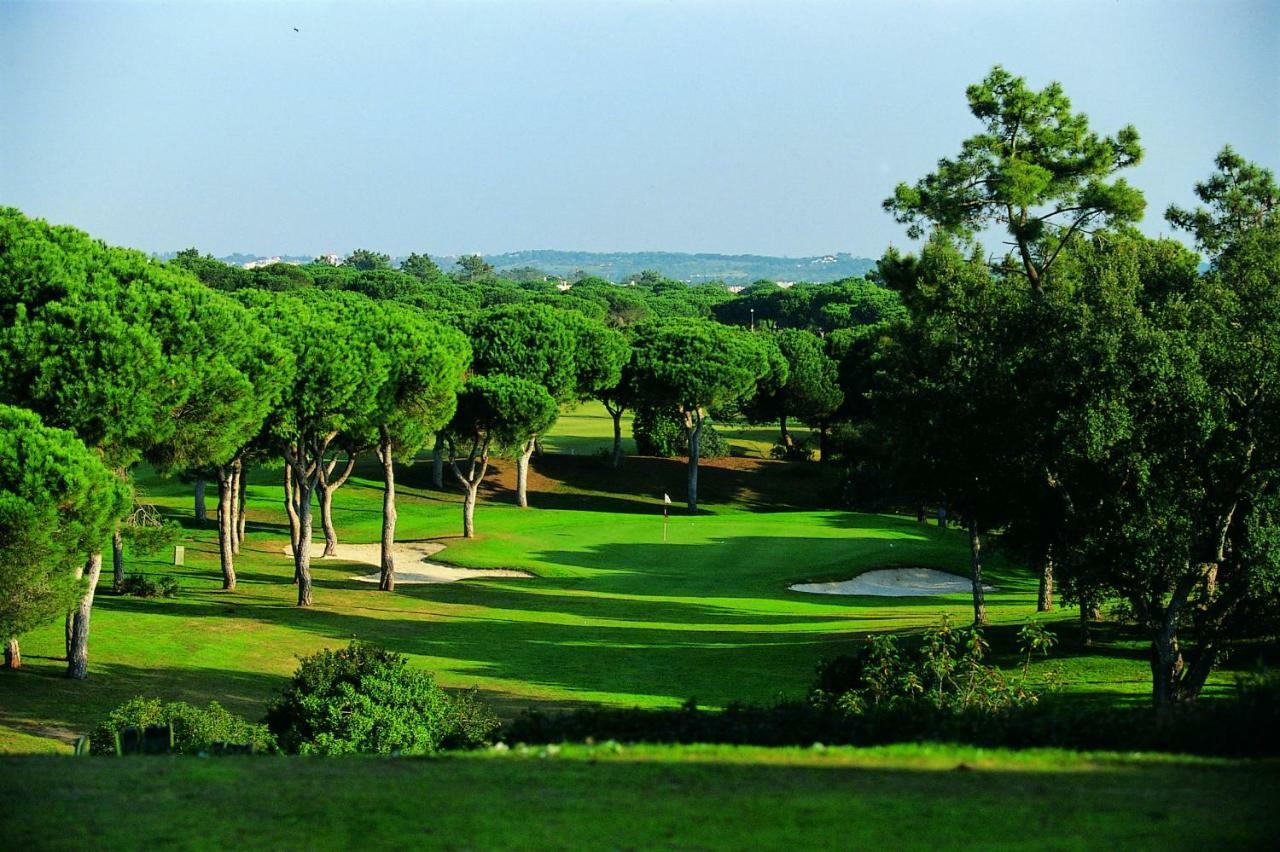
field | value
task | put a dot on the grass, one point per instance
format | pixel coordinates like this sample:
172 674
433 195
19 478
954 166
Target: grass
697 797
615 615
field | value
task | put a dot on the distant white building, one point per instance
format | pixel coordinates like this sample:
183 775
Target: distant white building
262 261
332 259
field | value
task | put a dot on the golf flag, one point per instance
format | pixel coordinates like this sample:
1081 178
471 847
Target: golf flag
666 501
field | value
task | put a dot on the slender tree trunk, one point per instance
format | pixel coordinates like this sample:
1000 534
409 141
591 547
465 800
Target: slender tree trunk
326 519
694 434
290 501
226 559
302 562
437 462
1044 601
202 513
242 480
78 654
387 583
975 565
469 510
785 437
522 472
616 459
117 560
12 654
233 510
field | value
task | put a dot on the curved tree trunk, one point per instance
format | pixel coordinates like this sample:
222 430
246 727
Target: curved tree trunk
975 566
1044 600
233 510
522 472
290 500
225 549
78 652
302 560
117 560
326 520
12 654
202 513
469 511
387 582
437 462
242 491
694 434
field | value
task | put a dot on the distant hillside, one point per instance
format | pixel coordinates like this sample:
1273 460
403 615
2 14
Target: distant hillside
737 268
617 266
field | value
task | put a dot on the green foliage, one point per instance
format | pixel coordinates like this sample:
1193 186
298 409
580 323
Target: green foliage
661 432
57 504
364 259
809 389
1241 196
195 729
1037 169
422 267
695 365
142 586
503 411
364 699
472 268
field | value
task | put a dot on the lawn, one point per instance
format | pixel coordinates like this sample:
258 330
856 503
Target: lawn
904 797
616 614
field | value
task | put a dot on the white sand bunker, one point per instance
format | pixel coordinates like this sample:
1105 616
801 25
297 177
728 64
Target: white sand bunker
894 583
413 563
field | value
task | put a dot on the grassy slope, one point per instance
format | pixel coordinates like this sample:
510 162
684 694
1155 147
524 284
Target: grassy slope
692 797
616 615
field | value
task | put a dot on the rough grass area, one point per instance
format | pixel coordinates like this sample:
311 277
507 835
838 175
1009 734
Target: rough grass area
616 615
644 797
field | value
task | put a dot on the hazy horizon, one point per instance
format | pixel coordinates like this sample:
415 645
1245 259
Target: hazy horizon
494 127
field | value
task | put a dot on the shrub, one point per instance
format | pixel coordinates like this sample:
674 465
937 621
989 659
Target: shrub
365 699
195 729
660 432
142 586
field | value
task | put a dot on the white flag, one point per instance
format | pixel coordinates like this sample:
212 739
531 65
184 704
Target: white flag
666 498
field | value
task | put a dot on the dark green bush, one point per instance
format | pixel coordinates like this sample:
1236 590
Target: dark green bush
195 729
142 586
365 699
660 432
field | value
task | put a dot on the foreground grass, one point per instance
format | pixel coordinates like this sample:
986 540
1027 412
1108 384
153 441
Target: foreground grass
642 797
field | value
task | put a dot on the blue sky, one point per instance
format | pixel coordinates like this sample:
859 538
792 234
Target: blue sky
737 127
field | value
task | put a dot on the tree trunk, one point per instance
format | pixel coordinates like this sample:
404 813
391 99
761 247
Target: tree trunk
1086 611
12 654
694 434
242 478
289 503
233 510
326 519
225 549
785 437
437 463
117 560
469 511
975 566
616 459
388 581
1166 664
1044 601
78 652
522 472
302 561
202 513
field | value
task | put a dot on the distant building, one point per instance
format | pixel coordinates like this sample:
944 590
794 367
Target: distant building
260 262
332 259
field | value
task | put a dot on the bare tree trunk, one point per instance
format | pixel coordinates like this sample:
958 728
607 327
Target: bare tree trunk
785 437
225 550
289 504
522 472
326 519
469 511
202 513
233 510
694 434
975 566
78 653
616 459
117 560
302 561
437 462
242 478
387 583
1044 600
12 654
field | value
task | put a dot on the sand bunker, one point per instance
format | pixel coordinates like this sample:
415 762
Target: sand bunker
894 583
412 563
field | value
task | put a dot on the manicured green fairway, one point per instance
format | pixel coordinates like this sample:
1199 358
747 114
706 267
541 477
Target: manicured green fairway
643 797
615 615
